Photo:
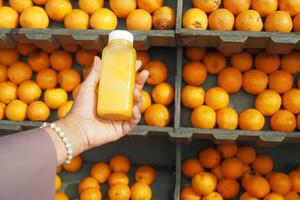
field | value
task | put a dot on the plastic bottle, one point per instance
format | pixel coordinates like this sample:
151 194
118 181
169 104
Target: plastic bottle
117 77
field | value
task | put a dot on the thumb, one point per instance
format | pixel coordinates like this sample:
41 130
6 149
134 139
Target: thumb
94 74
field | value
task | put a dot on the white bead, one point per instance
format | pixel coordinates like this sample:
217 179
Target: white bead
61 134
56 129
69 151
65 140
69 157
67 161
52 125
68 145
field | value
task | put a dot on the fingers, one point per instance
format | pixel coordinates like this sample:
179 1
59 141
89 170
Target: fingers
138 65
94 75
136 116
141 79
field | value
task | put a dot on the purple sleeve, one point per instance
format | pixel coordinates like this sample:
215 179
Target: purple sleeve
27 166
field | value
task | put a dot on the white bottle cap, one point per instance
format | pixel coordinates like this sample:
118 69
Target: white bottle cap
120 34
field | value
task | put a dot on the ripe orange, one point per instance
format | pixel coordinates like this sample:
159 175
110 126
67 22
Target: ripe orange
291 62
90 6
249 20
195 18
232 168
150 6
280 183
252 120
164 18
295 179
54 98
120 163
8 92
278 21
247 154
228 188
158 72
216 98
8 56
209 158
16 110
221 19
189 194
139 20
143 56
203 117
291 196
267 62
140 191
68 79
85 57
119 191
298 122
264 7
274 196
191 167
157 115
90 193
255 81
245 196
283 120
217 172
146 101
3 73
237 6
204 183
74 166
101 172
296 23
263 164
118 177
2 110
71 48
39 2
64 109
61 60
145 174
29 91
58 9
57 183
246 177
122 8
20 5
61 196
195 53
230 79
38 111
88 182
207 6
290 6
103 19
34 17
194 73
228 150
163 93
242 61
76 19
213 196
257 186
26 49
192 97
39 60
214 62
19 72
227 118
290 100
9 17
268 102
280 81
46 78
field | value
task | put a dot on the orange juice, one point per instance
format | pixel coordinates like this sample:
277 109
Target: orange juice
117 77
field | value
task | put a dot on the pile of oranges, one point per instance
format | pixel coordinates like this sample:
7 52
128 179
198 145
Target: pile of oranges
244 15
271 81
139 14
113 173
219 173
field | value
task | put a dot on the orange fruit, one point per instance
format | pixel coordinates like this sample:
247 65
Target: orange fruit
296 23
213 196
120 163
257 186
71 48
207 6
228 188
19 72
295 179
268 102
26 49
29 91
237 6
280 183
39 2
291 62
204 183
283 120
255 81
143 56
209 158
290 6
278 21
290 100
139 20
157 115
249 20
8 56
91 193
203 117
263 164
140 191
3 73
64 109
74 165
118 177
16 110
264 7
247 154
54 98
163 93
85 57
38 111
150 6
242 61
195 18
246 177
245 196
2 110
158 72
164 18
280 81
274 196
189 194
39 60
230 79
122 8
191 167
57 183
146 100
103 19
267 62
192 97
227 150
34 17
47 78
68 79
252 120
221 19
214 62
90 6
194 73
88 182
101 172
76 19
227 118
216 98
58 9
217 172
291 196
9 17
247 168
145 174
119 191
298 122
195 53
61 60
8 92
61 196
232 168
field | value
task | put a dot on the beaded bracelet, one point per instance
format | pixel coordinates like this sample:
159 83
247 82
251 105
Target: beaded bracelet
65 140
